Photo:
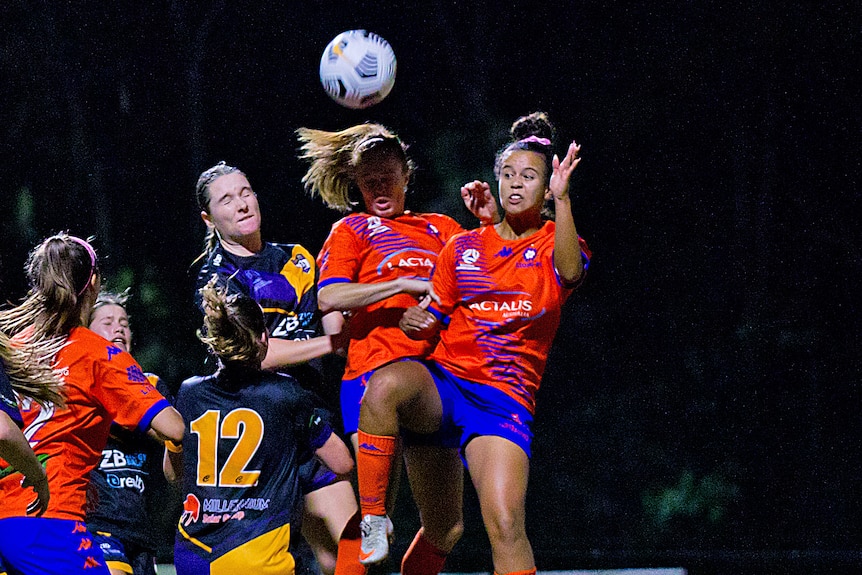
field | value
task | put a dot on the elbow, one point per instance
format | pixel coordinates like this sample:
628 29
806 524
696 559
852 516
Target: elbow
325 301
574 279
343 465
169 424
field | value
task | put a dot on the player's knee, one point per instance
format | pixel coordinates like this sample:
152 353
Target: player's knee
444 537
386 387
505 527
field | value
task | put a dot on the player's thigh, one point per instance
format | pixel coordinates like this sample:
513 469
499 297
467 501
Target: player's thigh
500 471
408 388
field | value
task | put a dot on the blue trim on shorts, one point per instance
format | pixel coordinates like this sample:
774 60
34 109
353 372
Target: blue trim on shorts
471 410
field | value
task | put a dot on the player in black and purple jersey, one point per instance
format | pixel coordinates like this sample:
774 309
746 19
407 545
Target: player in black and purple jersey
282 278
118 497
249 432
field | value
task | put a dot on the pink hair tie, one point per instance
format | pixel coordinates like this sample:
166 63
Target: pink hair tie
92 253
538 140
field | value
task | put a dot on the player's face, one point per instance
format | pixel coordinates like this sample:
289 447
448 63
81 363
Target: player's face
522 182
382 180
112 322
233 207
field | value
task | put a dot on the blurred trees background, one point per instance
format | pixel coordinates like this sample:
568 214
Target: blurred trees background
703 392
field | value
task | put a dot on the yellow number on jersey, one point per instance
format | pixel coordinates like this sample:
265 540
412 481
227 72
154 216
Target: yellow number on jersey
244 425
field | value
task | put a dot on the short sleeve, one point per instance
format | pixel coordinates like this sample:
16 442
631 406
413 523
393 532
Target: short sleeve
125 391
313 429
339 257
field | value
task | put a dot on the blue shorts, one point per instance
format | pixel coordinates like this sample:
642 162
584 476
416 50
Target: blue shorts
126 557
352 391
471 410
36 545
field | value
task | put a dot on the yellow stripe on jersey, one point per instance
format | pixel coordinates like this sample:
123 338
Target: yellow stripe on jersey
266 554
200 544
278 310
300 271
120 566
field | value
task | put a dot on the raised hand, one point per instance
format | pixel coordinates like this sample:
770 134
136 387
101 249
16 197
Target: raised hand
562 172
479 200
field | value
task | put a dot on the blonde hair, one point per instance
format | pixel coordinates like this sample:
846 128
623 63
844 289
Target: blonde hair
59 271
28 364
233 326
333 157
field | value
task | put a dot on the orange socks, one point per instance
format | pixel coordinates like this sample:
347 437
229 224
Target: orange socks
373 463
422 558
347 562
524 572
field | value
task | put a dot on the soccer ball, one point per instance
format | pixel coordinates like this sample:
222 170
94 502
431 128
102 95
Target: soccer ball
357 69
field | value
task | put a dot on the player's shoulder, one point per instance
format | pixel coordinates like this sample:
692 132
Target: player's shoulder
351 221
85 342
436 218
292 252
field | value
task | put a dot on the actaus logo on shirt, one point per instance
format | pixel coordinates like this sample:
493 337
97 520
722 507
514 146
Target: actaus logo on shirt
518 307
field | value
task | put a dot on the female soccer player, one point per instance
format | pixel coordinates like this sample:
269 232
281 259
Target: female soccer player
249 430
101 384
29 365
376 262
120 485
500 292
282 278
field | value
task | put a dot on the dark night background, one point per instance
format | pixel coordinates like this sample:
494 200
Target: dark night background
701 403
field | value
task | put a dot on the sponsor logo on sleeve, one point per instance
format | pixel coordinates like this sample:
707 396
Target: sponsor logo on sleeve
302 263
136 375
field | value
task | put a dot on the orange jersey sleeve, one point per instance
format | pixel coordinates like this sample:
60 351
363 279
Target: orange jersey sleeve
500 305
102 384
362 248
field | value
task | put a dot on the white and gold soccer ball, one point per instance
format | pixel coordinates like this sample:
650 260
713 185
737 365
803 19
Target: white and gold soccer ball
357 69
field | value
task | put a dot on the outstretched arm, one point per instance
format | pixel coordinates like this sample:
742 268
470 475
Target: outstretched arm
567 251
168 425
348 296
15 449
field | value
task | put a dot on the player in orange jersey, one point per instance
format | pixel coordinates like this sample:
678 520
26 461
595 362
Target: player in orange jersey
377 261
499 291
102 384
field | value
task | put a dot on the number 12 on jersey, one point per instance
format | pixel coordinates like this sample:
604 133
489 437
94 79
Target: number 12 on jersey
243 424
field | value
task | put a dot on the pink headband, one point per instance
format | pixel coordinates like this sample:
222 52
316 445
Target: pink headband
538 140
92 253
